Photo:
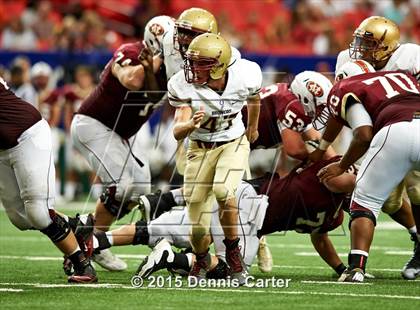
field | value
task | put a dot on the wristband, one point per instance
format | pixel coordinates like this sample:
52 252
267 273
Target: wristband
324 144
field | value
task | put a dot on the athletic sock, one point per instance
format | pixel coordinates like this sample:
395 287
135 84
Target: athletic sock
358 259
102 241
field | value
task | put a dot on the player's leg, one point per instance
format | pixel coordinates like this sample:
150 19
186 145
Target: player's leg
198 181
369 195
411 269
229 172
36 186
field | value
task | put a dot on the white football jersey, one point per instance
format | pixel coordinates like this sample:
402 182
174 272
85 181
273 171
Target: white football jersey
223 118
406 57
172 58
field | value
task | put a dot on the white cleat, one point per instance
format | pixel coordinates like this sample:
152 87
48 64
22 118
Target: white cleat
160 257
109 261
265 258
355 275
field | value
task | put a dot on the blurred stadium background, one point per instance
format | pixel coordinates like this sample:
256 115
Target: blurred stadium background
52 52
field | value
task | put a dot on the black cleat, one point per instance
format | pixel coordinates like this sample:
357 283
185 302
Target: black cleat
155 204
411 270
83 269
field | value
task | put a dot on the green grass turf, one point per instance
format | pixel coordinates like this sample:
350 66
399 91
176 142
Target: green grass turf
18 270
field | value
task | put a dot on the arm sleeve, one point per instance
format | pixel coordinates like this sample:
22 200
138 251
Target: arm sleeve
253 81
357 116
177 93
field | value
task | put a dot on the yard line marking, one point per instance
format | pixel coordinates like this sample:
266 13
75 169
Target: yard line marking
32 258
291 292
132 256
122 286
334 282
399 253
11 290
325 267
316 254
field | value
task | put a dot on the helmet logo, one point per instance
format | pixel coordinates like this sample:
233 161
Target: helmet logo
315 89
156 29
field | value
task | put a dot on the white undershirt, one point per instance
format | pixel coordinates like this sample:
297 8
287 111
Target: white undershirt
357 116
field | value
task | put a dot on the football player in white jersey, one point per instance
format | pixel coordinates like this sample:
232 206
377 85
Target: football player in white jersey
209 95
376 41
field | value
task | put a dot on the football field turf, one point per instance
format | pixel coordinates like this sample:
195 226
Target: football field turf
31 277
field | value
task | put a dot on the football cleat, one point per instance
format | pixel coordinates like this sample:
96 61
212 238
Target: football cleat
109 261
354 275
200 267
148 204
411 270
234 259
85 275
160 258
265 258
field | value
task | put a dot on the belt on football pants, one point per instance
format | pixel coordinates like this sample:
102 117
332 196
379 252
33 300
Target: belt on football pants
210 145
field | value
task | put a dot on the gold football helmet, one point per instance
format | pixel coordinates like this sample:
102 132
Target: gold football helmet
208 56
375 40
190 24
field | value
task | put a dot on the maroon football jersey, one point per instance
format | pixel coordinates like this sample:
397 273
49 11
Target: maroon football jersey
16 115
278 106
388 97
109 102
300 202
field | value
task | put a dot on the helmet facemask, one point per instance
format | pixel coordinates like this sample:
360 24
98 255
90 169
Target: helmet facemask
366 47
198 69
183 37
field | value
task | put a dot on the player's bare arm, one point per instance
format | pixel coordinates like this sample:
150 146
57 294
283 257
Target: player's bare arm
326 250
293 144
150 81
331 132
312 134
184 123
253 104
131 77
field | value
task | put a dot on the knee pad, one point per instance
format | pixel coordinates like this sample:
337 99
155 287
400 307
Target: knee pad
221 271
58 230
357 211
412 181
37 213
394 201
117 207
141 235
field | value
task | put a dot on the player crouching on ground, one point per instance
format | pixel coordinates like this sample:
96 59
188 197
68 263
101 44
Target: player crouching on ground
27 179
383 110
208 97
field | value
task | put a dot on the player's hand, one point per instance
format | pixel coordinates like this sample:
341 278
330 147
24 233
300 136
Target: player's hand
197 118
316 155
252 134
146 59
330 171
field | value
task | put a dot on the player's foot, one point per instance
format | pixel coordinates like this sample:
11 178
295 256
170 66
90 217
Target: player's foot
353 275
83 269
265 259
200 266
148 204
411 270
160 258
109 261
238 269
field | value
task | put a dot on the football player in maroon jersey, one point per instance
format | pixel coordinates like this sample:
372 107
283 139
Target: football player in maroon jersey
104 128
27 179
383 109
